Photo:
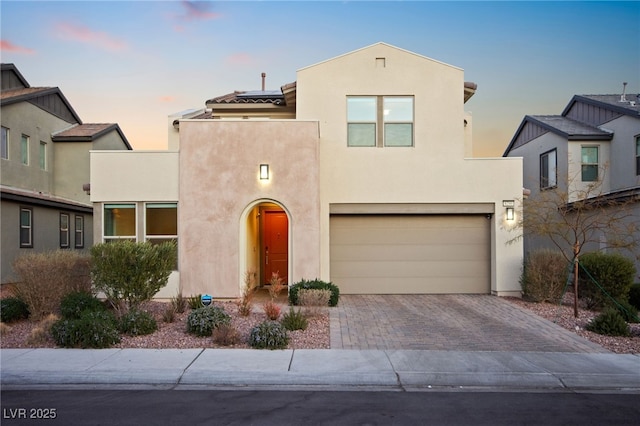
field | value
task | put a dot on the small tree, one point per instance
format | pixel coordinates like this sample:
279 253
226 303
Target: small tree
576 215
130 273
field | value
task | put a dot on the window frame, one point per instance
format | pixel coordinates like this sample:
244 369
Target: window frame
28 227
78 240
4 148
64 230
25 142
43 155
386 122
590 165
545 182
157 238
381 122
108 238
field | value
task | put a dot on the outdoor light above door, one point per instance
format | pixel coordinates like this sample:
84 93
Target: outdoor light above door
264 172
509 204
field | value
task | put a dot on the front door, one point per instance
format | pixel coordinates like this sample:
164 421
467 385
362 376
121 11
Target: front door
275 245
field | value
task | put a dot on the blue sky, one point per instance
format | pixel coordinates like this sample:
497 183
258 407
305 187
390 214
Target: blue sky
136 62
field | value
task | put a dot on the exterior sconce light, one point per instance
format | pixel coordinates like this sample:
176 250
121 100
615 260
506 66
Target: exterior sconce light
509 204
264 172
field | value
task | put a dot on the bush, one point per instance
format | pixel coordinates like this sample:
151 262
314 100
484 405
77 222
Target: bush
137 323
203 321
73 304
609 323
634 295
46 277
614 274
169 314
195 302
628 312
42 332
91 330
294 320
130 273
544 276
269 335
13 309
179 303
226 335
272 310
317 285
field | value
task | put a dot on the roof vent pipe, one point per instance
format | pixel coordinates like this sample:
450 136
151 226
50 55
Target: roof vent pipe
624 89
264 76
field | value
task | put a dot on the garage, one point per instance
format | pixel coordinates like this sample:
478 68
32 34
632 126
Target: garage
409 253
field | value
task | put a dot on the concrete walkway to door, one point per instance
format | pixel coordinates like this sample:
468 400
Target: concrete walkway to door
446 322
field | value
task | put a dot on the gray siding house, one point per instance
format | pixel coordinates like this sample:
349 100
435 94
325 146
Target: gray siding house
596 139
44 168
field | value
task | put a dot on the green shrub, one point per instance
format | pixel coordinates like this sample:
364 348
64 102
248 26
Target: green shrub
203 321
94 329
544 276
13 309
73 304
316 285
130 273
609 323
137 323
294 320
628 312
269 335
614 274
195 302
179 303
634 295
46 277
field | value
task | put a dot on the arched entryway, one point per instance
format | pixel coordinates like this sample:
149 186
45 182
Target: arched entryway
265 242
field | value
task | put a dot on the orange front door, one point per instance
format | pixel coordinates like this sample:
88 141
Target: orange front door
275 245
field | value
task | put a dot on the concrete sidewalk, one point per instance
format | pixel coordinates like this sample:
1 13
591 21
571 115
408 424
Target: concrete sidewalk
319 369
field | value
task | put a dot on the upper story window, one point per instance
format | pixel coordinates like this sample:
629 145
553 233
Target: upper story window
589 156
119 222
24 150
26 227
4 135
380 121
43 155
638 155
64 230
548 169
79 232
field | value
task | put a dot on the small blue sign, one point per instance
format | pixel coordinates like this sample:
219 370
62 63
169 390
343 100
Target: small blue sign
206 299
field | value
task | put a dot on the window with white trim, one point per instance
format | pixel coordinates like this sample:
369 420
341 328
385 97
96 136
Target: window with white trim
382 121
119 222
43 155
589 156
64 230
26 227
548 169
79 232
24 149
4 148
161 223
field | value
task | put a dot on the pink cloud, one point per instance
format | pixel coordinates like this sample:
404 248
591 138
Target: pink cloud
167 99
86 35
7 46
240 59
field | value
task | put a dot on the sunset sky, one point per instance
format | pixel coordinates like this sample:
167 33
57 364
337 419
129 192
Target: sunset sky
136 62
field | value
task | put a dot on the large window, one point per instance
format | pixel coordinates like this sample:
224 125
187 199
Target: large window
119 222
548 170
380 121
43 155
64 230
589 155
26 227
161 223
79 232
24 150
4 136
637 155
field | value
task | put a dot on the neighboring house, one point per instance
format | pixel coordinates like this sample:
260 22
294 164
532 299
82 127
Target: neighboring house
355 173
45 163
596 139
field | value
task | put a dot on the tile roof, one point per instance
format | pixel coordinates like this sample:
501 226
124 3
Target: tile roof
25 92
250 97
629 102
84 130
569 128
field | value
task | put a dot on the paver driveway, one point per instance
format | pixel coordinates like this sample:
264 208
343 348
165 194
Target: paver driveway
446 322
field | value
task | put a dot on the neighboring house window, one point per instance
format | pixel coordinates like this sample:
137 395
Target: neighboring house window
548 170
26 227
79 232
637 155
380 121
119 222
64 230
43 155
24 149
161 223
5 143
589 156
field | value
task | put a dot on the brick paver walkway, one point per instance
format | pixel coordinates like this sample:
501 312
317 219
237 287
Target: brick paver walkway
446 322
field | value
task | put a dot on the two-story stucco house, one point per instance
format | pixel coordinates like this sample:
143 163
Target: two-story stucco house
591 150
45 163
356 173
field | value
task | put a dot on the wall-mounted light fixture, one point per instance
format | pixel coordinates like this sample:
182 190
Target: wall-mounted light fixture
264 172
510 205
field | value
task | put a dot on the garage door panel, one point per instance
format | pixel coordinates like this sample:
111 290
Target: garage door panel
387 254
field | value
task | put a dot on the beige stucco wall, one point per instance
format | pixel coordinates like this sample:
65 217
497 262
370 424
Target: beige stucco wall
219 187
434 170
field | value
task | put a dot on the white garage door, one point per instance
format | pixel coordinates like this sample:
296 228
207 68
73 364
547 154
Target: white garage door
403 254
